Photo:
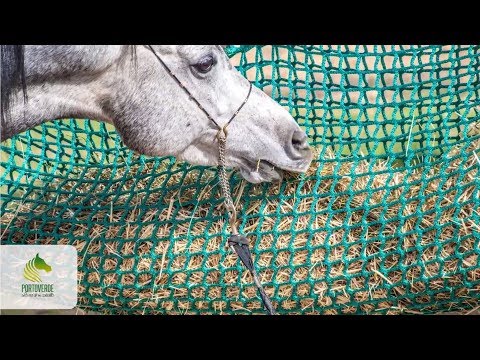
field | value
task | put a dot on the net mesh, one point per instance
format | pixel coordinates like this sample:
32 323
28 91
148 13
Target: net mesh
385 221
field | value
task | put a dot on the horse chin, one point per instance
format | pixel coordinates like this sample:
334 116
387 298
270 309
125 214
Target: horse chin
252 171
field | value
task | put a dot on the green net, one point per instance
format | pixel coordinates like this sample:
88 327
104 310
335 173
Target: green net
385 221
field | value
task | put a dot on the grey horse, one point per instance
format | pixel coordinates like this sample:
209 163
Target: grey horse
126 86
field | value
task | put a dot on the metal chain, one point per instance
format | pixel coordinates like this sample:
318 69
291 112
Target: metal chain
224 184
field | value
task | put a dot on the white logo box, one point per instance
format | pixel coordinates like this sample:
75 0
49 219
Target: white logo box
38 277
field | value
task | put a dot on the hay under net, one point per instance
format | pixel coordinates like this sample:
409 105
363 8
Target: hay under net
385 221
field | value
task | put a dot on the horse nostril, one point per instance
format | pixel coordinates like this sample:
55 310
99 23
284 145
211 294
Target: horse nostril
298 147
299 141
296 142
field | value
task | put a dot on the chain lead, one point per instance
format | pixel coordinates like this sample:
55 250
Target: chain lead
228 201
224 184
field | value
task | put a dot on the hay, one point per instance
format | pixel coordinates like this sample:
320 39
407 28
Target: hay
147 284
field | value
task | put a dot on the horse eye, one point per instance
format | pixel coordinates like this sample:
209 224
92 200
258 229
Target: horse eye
204 65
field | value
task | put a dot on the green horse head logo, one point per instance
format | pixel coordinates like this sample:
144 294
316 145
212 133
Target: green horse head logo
30 272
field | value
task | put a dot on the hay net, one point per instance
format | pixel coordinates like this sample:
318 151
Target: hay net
385 221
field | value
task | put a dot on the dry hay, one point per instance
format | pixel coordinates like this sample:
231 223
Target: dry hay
288 260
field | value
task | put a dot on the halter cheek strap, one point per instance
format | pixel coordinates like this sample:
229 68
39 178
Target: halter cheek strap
220 128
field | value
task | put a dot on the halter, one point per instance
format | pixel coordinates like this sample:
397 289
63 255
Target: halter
177 80
238 242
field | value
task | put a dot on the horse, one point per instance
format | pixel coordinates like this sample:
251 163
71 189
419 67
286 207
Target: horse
126 85
30 272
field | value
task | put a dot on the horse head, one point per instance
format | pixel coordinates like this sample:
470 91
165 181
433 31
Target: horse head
151 111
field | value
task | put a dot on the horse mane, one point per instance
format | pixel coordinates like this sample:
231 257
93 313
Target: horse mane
12 75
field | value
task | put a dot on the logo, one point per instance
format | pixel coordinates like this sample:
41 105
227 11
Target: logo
38 276
30 272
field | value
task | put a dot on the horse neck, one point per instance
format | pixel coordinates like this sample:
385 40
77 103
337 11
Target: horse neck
62 95
59 102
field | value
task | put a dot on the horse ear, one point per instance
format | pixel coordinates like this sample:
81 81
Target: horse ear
37 255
